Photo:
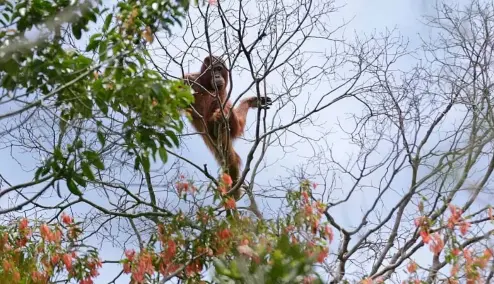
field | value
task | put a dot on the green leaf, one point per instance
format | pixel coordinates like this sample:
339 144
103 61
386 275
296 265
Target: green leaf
92 17
93 44
98 163
76 30
38 173
86 170
119 74
11 67
6 16
101 138
95 36
131 66
220 267
102 105
94 159
156 88
146 165
173 137
8 82
137 163
167 142
78 144
140 59
106 25
73 187
102 50
58 154
163 154
79 180
448 258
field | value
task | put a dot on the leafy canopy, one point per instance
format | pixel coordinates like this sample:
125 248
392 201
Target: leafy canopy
109 79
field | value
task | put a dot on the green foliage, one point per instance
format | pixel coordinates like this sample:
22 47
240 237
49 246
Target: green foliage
285 263
108 78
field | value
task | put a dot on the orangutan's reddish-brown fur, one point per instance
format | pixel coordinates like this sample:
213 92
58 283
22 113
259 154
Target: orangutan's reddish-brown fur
210 85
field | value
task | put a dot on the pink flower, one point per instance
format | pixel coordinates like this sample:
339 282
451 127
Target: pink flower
38 276
66 219
222 189
455 216
224 234
16 276
425 237
129 253
126 268
45 231
7 266
55 236
246 250
144 266
86 281
322 255
464 226
230 203
367 280
23 224
437 244
227 179
328 232
67 260
182 187
55 259
171 249
412 267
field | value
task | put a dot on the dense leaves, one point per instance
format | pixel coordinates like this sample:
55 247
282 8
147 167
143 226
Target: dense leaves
82 88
